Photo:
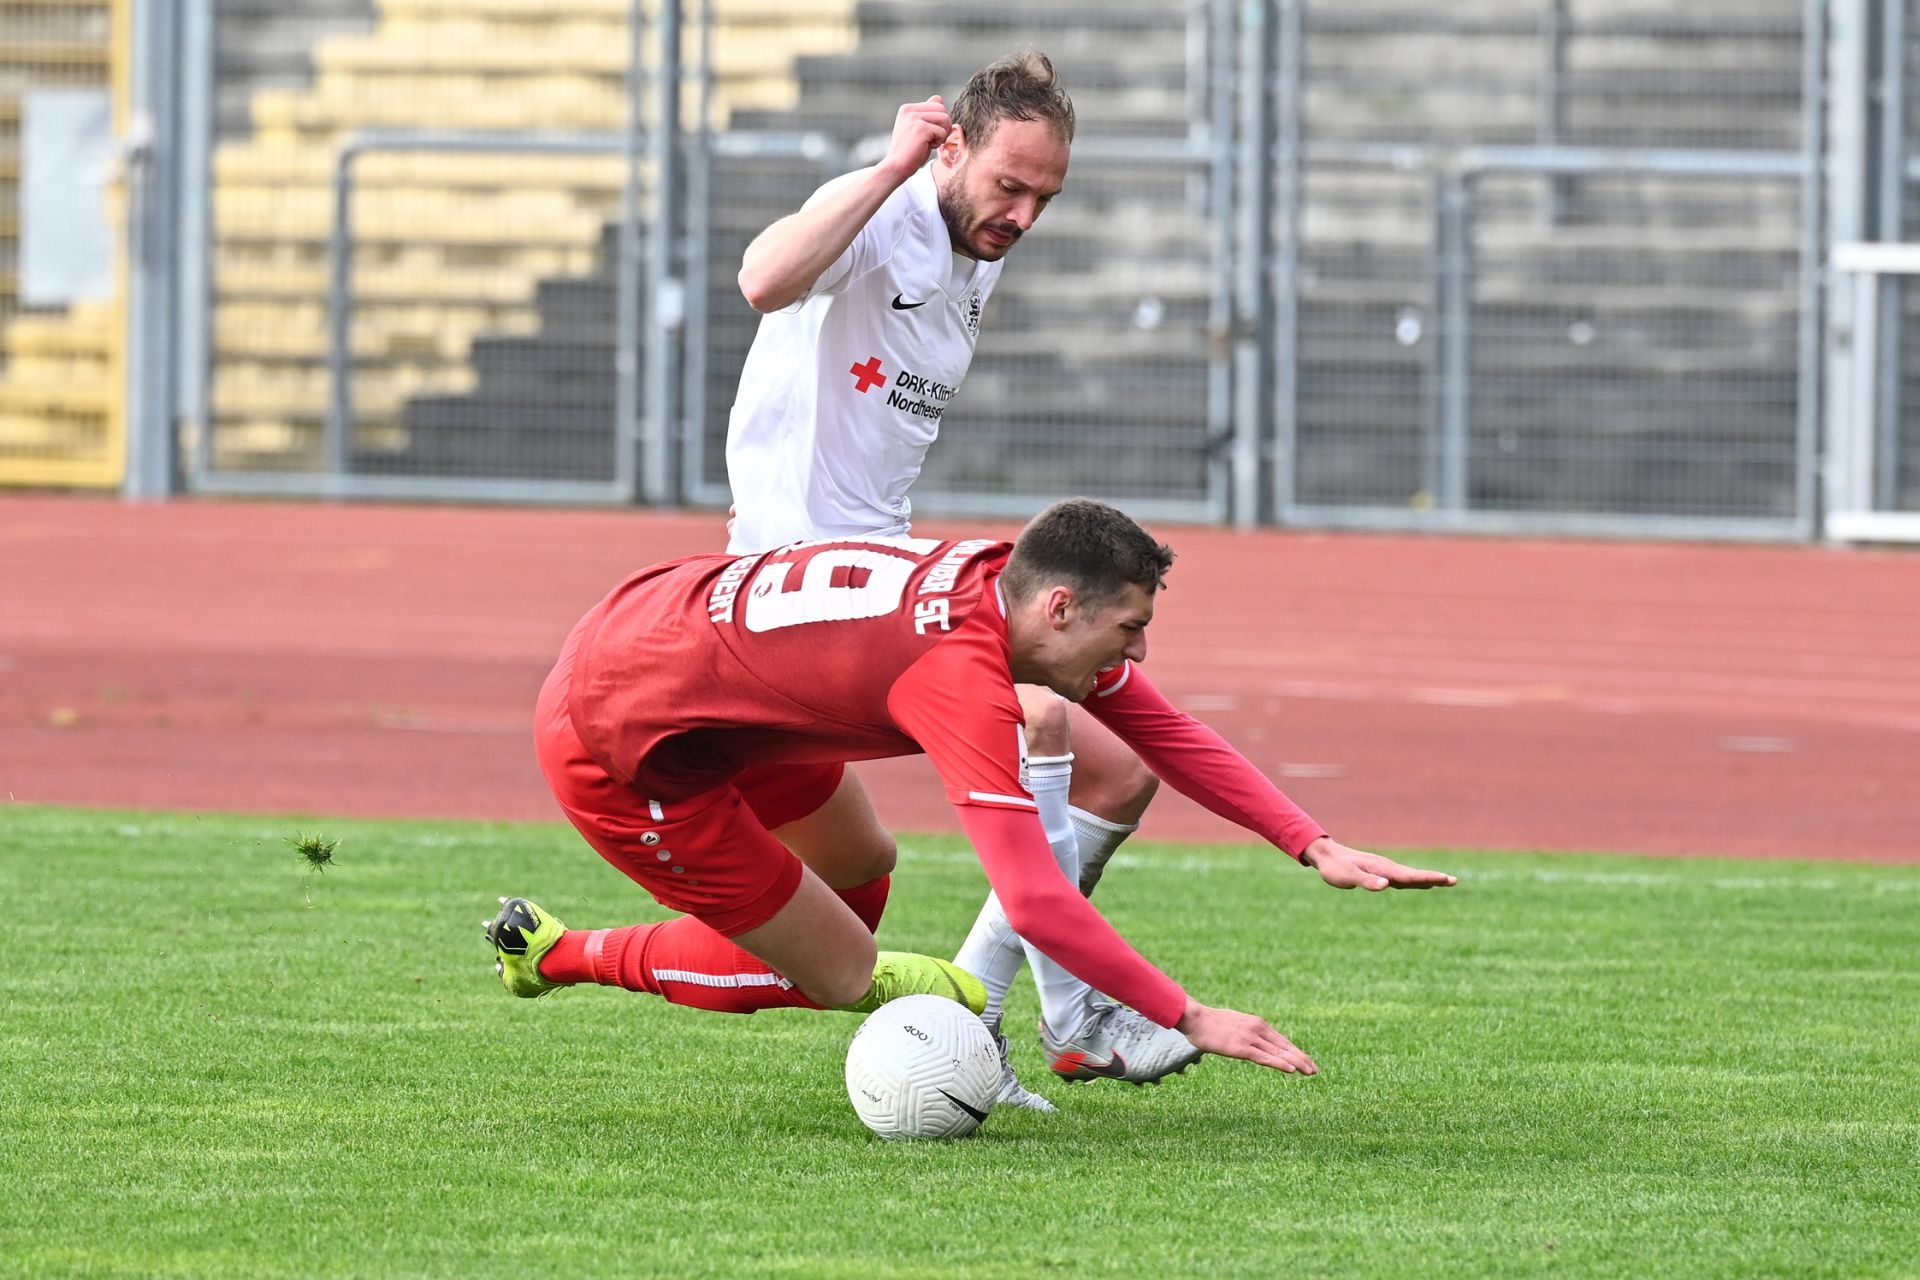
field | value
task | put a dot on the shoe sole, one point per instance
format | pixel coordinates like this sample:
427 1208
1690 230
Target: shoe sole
1087 1075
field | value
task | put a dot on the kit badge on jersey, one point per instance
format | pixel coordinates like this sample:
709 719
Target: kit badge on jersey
970 313
1026 779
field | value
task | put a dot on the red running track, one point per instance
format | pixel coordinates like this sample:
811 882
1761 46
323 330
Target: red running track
1409 691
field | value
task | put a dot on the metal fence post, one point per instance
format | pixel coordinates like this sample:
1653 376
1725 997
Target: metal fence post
699 268
193 371
1847 202
627 283
1808 418
1889 177
666 288
1290 104
337 426
1219 206
1553 99
152 156
1455 251
1253 301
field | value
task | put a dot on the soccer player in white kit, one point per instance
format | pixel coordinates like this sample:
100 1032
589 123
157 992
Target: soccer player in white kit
871 297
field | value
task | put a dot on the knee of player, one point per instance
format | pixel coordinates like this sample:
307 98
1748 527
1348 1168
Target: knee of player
1046 713
883 857
1138 783
845 977
1117 789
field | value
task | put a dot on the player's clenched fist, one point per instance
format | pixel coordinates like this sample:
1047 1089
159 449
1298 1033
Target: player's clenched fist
1233 1034
917 130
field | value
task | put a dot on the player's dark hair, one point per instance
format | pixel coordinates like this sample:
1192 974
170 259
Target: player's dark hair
1096 549
1020 86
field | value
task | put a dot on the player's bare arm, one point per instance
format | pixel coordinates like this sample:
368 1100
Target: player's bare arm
1346 868
783 261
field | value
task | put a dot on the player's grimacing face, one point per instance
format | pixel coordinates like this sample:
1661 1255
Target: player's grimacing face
1102 637
992 195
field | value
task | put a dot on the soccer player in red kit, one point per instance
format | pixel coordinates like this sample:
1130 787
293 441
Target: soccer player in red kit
704 709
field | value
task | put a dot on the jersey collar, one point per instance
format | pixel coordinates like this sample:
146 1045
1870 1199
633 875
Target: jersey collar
927 195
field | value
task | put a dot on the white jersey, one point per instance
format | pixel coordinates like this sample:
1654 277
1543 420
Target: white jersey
843 392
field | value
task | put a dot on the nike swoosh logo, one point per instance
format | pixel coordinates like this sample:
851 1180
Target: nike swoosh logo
901 304
979 1116
1114 1068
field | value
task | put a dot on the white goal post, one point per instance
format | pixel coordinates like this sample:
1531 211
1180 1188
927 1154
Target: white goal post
1853 427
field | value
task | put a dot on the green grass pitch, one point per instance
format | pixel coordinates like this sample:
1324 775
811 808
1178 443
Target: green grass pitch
219 1062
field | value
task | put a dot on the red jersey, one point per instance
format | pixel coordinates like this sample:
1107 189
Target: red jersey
693 670
820 651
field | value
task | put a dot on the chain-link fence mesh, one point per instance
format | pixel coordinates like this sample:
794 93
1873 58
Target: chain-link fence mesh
482 291
469 268
1492 323
1551 253
1639 356
59 406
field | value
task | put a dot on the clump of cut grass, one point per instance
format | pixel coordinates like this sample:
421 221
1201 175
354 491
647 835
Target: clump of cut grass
316 851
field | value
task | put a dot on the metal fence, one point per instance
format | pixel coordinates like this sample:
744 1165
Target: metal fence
1871 459
60 408
422 287
426 249
1511 264
1551 267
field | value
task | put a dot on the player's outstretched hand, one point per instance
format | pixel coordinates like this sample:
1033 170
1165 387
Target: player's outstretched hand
917 130
1232 1034
1345 868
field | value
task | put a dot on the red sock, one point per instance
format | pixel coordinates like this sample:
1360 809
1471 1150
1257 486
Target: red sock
682 961
869 901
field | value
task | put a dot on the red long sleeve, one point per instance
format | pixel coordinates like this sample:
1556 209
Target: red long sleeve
1197 761
1049 912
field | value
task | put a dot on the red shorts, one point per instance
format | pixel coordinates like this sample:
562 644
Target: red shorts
709 855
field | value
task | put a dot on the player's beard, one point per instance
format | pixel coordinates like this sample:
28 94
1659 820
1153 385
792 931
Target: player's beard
964 222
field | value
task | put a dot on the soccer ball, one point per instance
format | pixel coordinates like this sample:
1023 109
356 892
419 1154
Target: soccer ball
922 1067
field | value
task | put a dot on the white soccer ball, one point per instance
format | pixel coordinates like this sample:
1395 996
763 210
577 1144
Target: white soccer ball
922 1067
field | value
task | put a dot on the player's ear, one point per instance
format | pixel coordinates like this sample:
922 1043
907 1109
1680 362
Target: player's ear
954 149
1060 605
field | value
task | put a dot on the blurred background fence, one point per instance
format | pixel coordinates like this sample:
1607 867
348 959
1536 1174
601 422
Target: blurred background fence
1552 265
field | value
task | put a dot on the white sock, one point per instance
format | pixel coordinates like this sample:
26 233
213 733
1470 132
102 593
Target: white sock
1098 838
1063 997
993 952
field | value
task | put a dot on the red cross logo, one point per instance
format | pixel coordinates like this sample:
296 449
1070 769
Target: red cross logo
867 376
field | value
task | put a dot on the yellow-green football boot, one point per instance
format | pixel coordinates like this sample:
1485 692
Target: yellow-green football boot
906 973
521 934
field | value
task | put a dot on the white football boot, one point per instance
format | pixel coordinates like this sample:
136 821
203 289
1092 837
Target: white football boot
1114 1042
1012 1092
